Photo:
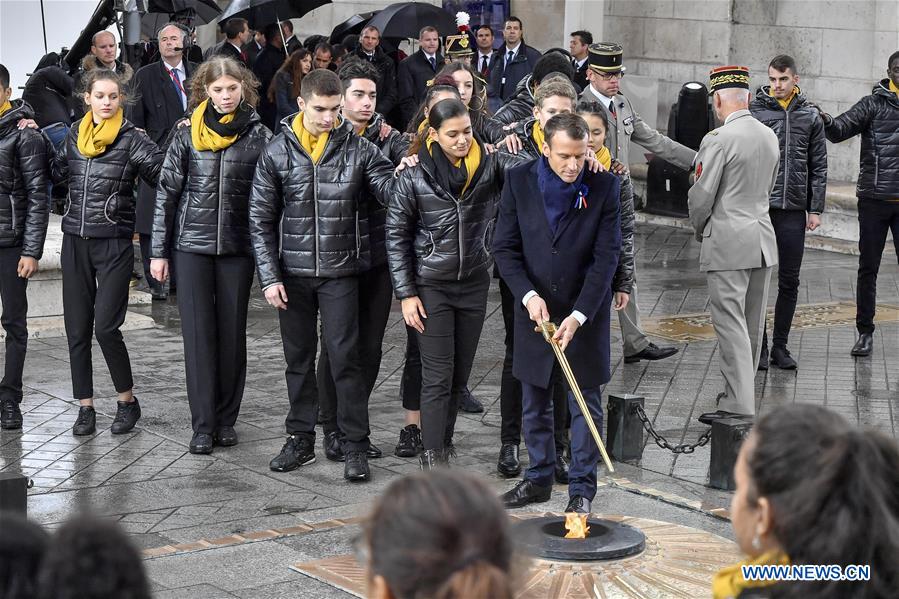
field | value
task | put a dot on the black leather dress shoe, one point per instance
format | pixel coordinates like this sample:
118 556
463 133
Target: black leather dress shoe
763 358
651 352
561 469
201 444
470 403
126 416
864 345
355 469
331 445
508 464
226 436
10 414
578 505
710 417
374 452
524 493
780 357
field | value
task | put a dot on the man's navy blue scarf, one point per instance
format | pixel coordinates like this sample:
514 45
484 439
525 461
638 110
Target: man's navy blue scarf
558 196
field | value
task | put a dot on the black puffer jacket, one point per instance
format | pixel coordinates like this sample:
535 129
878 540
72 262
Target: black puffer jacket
305 218
802 179
433 235
876 118
202 199
23 183
624 275
101 189
394 147
520 106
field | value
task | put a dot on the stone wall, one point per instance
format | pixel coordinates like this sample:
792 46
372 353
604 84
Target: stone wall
841 47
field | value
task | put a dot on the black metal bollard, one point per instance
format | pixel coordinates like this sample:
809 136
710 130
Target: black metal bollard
624 433
13 493
728 435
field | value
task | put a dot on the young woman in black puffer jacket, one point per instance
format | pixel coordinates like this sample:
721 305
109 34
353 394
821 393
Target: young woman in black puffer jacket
102 157
202 211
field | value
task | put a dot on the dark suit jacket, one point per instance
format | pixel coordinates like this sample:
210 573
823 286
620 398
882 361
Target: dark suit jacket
252 50
156 109
502 81
293 44
412 76
267 63
570 269
387 93
227 49
580 75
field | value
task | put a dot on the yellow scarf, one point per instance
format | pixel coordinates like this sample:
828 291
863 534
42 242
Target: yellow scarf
893 89
205 138
605 157
786 101
537 136
93 139
7 106
315 146
729 581
472 161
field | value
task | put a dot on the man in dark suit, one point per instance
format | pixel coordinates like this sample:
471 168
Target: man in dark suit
161 92
266 65
254 47
484 41
369 49
557 244
237 34
415 71
290 40
579 45
511 63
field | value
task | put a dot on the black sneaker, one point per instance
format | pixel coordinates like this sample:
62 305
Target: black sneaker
10 414
470 404
374 452
126 416
225 436
780 357
355 468
297 451
86 423
410 442
331 445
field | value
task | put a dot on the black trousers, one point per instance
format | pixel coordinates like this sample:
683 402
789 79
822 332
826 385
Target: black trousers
456 311
154 285
510 393
214 292
375 298
789 229
410 383
95 278
875 219
14 320
337 301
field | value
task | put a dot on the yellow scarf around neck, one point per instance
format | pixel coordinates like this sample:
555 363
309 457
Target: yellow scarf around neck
729 581
893 89
6 107
786 101
537 136
93 139
315 146
205 138
604 156
472 160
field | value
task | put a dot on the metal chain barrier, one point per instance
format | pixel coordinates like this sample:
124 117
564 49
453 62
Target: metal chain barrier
662 442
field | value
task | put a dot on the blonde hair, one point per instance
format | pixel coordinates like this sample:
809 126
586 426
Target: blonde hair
222 66
553 86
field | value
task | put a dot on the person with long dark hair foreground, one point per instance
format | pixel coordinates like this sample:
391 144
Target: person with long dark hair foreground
441 535
812 489
22 548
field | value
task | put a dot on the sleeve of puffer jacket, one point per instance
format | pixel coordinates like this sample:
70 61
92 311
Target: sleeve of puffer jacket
402 220
59 162
378 172
817 166
491 130
168 194
147 156
266 206
32 159
850 123
624 275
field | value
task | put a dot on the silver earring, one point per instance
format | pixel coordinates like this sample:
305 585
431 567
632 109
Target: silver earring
756 544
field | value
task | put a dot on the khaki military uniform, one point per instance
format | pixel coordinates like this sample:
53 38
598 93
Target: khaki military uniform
735 172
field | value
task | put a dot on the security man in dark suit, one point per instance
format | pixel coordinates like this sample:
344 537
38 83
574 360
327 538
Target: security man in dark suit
414 72
510 64
237 34
557 243
161 89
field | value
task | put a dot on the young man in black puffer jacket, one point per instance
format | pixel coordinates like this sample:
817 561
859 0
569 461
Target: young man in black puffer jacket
311 184
876 119
797 201
23 226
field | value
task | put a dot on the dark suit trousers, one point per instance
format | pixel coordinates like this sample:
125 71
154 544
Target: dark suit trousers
410 383
95 277
375 298
875 219
538 436
14 320
337 300
456 311
789 228
510 387
213 295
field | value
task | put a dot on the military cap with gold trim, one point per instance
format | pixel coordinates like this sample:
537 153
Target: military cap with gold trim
728 77
461 45
606 57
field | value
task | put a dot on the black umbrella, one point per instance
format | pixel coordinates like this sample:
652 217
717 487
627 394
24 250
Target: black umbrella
353 25
265 12
406 19
160 12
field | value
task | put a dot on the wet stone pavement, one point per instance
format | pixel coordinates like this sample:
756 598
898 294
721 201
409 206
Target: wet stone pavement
225 526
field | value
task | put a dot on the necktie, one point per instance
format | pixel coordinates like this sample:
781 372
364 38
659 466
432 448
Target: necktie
484 62
176 79
433 62
243 56
612 107
509 57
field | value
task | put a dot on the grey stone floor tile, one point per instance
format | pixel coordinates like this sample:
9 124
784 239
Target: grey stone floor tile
198 591
300 586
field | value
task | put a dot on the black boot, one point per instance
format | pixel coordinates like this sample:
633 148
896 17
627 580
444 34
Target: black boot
508 464
864 345
432 459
